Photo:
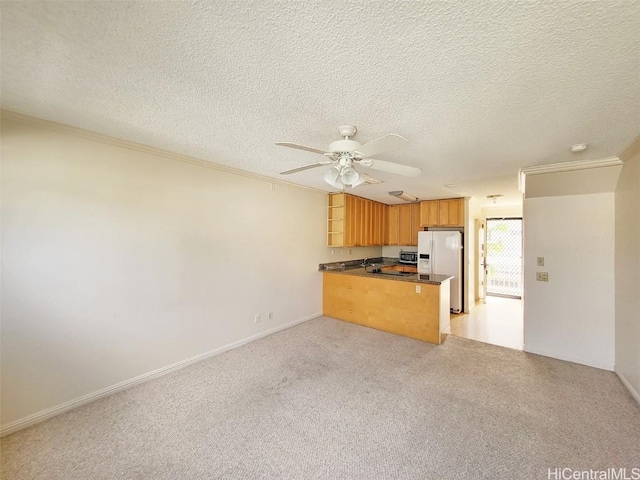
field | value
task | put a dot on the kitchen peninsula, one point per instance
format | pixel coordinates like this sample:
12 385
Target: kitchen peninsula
383 297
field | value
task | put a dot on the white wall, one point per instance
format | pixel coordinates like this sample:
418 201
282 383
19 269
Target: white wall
121 261
472 210
571 317
627 273
394 251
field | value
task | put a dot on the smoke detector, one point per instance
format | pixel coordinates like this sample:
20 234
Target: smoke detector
494 197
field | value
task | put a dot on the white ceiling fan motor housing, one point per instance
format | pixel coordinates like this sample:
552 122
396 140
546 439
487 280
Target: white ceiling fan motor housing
343 146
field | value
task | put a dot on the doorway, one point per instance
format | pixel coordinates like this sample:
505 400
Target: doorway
497 317
503 257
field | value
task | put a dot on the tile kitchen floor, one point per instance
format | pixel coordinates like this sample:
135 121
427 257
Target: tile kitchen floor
498 322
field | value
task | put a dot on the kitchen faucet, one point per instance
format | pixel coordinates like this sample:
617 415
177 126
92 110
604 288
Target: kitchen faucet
340 266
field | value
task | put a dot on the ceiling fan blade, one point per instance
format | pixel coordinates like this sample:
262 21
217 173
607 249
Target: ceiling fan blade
382 144
300 147
391 167
306 167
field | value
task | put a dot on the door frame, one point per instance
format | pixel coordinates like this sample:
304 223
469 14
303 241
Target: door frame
481 252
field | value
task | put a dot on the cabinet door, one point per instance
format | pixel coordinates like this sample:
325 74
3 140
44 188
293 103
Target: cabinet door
383 229
443 212
350 221
368 223
451 212
415 223
359 221
385 225
393 222
376 217
429 213
456 212
405 236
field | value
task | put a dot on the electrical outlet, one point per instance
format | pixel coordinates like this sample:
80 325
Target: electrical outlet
270 315
542 276
418 289
540 262
257 318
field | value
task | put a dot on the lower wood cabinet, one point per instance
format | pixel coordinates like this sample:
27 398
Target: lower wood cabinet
402 268
388 305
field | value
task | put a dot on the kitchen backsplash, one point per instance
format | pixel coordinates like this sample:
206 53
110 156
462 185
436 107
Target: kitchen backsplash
394 251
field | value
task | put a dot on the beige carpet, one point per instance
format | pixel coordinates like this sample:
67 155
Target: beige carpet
331 400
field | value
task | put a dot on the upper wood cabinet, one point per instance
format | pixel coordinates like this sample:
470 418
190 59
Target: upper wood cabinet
336 220
442 213
394 225
379 223
415 223
404 224
429 213
451 212
354 221
358 222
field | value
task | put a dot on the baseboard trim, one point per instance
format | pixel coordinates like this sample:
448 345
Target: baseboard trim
634 393
70 405
567 358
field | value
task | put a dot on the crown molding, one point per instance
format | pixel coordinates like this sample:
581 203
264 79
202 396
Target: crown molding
570 166
8 115
564 167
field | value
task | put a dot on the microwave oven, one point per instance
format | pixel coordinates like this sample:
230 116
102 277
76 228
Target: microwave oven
409 258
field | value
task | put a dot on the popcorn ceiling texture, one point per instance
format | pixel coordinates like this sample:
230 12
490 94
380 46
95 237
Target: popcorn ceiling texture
479 89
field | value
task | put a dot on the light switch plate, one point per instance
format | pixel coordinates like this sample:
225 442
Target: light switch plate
540 262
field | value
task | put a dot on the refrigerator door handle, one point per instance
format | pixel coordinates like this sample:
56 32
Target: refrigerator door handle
433 259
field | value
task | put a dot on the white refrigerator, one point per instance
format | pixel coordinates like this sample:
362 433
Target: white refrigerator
440 252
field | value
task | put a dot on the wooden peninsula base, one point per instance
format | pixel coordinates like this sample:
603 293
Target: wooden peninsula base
410 306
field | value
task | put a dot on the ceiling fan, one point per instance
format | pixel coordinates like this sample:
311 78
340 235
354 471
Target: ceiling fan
344 154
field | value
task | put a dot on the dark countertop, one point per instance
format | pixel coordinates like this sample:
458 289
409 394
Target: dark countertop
434 279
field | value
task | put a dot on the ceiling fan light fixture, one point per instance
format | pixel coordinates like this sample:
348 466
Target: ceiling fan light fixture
349 175
332 177
404 196
346 153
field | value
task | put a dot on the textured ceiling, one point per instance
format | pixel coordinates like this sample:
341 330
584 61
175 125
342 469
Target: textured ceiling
479 89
